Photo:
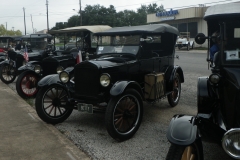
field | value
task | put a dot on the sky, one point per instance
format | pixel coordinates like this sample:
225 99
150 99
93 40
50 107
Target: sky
12 11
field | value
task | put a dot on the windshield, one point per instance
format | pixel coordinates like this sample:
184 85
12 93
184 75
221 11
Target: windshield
231 54
118 44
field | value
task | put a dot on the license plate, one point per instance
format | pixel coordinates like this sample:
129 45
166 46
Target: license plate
85 107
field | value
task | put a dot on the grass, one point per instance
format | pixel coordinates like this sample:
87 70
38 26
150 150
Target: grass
30 101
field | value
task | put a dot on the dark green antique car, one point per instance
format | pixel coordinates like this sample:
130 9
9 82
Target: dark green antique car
132 65
218 95
63 55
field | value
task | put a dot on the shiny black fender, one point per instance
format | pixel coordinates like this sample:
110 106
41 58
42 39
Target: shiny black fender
169 76
120 86
54 78
4 62
205 99
182 130
27 67
50 80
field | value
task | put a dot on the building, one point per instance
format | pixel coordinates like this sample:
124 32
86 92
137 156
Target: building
186 20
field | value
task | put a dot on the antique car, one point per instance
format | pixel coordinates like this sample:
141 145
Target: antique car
184 41
5 41
218 95
62 57
133 64
35 47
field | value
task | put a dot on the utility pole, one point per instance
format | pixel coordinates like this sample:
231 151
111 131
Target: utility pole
32 23
6 25
24 20
47 16
80 12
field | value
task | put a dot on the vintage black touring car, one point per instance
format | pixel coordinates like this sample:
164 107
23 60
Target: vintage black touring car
133 64
67 43
34 44
218 95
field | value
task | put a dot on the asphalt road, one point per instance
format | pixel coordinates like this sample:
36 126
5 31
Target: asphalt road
149 143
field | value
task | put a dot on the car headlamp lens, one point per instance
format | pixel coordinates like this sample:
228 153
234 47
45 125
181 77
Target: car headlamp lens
37 68
64 77
105 80
11 63
59 69
231 143
214 78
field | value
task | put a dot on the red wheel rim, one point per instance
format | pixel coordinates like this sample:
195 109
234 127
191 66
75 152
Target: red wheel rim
29 85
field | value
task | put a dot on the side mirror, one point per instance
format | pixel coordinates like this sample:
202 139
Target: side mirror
200 38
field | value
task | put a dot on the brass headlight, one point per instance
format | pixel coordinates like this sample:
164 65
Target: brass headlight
105 80
37 68
59 69
64 77
214 78
231 143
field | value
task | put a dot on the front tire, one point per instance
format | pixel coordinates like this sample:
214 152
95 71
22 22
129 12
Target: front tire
7 74
51 104
191 152
26 84
174 97
124 115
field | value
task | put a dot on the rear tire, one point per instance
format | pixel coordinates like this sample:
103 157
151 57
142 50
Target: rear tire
7 74
188 46
194 151
174 97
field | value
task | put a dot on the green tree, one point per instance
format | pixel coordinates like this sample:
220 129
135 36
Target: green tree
4 32
100 15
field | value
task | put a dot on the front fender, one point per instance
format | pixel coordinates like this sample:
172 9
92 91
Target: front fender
120 86
49 80
182 130
205 100
4 62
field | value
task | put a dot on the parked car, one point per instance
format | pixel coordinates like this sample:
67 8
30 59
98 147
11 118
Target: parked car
184 41
218 111
133 64
33 71
36 51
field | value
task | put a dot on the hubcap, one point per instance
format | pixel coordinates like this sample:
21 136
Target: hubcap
175 93
53 101
126 114
29 85
188 154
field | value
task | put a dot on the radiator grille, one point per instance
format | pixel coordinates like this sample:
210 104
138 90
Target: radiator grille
86 80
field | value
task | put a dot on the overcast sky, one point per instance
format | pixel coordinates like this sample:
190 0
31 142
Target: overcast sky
12 15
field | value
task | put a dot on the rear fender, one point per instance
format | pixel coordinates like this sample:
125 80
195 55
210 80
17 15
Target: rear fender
120 86
182 130
170 74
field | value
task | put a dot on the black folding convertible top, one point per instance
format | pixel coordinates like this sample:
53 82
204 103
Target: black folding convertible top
153 28
222 10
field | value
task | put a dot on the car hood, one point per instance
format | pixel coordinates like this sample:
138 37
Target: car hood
111 61
35 53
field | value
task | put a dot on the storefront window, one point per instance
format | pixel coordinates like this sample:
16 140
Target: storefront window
182 27
192 28
187 27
